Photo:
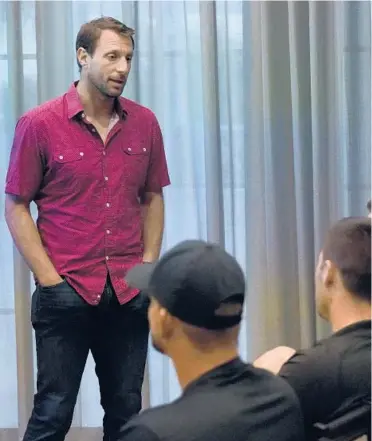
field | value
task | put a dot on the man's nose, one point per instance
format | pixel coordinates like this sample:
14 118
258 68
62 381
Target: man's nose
122 66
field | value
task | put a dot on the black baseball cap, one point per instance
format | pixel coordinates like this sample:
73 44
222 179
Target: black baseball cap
197 282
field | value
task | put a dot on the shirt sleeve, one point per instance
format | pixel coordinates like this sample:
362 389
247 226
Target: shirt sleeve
137 432
313 376
157 174
25 170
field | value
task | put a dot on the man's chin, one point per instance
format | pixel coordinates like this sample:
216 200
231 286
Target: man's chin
115 91
115 94
323 312
157 347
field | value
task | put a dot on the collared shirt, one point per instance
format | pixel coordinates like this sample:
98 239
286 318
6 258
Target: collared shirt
87 192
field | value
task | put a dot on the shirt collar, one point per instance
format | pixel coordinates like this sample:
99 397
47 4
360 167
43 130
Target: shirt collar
361 324
74 106
217 376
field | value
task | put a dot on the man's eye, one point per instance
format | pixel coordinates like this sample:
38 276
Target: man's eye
111 56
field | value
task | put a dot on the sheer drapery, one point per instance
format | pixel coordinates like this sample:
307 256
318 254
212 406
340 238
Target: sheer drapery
266 113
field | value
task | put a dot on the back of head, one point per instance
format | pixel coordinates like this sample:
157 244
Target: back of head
348 247
197 291
204 340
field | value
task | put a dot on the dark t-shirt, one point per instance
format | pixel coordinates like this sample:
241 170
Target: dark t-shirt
234 402
332 376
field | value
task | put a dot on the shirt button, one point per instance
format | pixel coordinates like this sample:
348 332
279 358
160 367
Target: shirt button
129 149
106 178
107 204
107 257
108 231
60 157
144 149
104 153
94 130
83 115
99 296
81 153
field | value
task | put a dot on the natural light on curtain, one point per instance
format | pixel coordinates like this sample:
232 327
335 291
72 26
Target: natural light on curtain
168 79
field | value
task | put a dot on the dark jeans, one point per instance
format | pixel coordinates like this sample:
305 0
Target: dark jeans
66 328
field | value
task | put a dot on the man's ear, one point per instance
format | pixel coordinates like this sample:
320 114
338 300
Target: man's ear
82 56
328 273
167 322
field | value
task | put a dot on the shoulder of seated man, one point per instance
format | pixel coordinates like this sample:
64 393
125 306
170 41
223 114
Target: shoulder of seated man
143 425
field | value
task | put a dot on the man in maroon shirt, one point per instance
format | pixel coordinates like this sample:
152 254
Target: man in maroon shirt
94 164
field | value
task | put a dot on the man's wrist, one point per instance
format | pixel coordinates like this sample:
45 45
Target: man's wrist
49 279
149 259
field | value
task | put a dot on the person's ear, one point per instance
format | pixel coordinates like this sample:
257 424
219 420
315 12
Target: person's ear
82 56
328 273
167 323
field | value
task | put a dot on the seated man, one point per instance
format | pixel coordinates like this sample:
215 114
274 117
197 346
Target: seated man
197 295
335 374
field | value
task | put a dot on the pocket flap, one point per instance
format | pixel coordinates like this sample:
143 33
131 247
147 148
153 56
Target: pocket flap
68 156
136 150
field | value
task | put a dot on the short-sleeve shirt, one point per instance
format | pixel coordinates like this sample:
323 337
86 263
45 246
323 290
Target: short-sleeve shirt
233 402
334 375
88 193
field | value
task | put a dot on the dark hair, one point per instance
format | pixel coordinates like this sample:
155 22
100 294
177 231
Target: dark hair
90 33
369 208
348 246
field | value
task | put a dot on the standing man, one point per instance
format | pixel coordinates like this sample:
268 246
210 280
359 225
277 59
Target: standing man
94 164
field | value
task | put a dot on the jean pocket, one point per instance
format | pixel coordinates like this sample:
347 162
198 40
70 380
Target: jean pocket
140 304
49 287
60 296
34 305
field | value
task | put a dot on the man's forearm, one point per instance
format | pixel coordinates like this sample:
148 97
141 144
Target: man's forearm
28 242
274 360
153 225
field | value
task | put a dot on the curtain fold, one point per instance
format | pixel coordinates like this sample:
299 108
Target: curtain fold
265 109
56 63
299 58
212 122
23 392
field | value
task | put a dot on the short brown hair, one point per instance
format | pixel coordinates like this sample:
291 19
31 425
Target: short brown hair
90 33
348 246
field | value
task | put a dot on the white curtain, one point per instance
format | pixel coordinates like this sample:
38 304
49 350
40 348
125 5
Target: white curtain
265 109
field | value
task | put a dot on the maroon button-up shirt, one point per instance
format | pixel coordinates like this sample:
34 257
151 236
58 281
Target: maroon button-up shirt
88 193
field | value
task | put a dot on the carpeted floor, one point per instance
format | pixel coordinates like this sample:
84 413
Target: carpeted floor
75 434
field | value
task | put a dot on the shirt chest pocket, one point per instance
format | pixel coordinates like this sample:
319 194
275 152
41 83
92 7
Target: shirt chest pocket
135 164
69 168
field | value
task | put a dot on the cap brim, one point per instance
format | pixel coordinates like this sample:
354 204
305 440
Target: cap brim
139 276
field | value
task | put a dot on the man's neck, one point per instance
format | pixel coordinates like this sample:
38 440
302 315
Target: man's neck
350 314
96 106
190 365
